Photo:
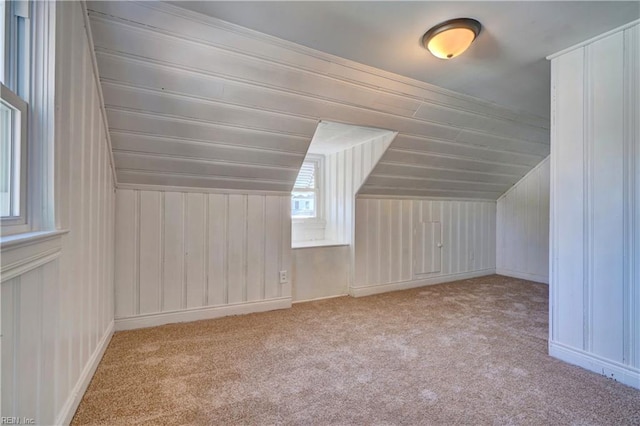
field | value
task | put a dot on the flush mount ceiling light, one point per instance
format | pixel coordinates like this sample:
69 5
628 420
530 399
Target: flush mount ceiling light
450 38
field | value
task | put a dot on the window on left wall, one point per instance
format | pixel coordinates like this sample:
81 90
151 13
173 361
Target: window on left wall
13 144
14 92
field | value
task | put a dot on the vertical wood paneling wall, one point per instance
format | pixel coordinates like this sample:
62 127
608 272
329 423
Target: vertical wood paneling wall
345 172
384 242
595 206
187 255
57 311
522 223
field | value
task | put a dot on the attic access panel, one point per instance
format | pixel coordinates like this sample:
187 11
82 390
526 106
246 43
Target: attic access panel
427 248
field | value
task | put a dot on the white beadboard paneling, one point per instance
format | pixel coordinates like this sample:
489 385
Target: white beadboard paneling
606 194
445 147
568 181
345 172
206 251
148 162
150 259
195 226
422 172
462 224
132 143
632 169
274 219
172 277
594 205
217 241
168 180
522 218
184 128
256 91
119 97
256 248
126 240
236 246
86 263
57 316
394 155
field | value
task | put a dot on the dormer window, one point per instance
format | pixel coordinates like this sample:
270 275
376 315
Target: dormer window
305 197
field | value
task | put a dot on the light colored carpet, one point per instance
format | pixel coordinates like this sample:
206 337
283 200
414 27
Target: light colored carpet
469 352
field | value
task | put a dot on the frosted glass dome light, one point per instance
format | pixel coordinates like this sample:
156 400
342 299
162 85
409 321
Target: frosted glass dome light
451 38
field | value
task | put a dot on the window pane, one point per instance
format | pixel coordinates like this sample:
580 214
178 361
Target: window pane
3 31
6 156
306 177
303 204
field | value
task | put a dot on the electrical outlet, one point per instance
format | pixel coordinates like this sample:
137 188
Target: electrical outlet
283 277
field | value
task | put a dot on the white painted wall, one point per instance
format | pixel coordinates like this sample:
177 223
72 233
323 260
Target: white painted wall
385 244
344 173
595 206
522 226
182 256
57 293
320 272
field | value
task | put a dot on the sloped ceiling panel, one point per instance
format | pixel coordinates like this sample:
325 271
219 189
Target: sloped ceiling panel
196 102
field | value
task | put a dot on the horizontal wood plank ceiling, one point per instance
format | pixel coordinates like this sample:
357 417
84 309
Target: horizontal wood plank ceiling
196 102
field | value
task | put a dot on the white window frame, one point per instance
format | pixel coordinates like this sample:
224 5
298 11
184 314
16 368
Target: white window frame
29 28
15 90
318 162
17 223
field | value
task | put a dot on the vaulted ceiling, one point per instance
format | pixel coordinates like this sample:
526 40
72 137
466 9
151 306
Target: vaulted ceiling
506 65
193 101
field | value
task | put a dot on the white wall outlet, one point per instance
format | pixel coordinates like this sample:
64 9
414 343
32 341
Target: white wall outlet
283 277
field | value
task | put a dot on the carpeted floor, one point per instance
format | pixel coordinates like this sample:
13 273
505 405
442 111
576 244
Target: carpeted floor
469 352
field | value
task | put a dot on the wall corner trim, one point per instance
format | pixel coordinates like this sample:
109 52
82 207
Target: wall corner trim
619 372
96 77
523 275
73 401
196 314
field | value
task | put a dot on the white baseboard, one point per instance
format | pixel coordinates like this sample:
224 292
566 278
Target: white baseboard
320 298
619 372
404 285
195 314
523 275
73 400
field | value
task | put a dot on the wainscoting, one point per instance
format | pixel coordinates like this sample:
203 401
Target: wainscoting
595 206
57 291
183 255
522 217
385 251
345 172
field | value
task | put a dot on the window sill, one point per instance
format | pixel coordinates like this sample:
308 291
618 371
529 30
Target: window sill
23 252
316 243
10 242
311 221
